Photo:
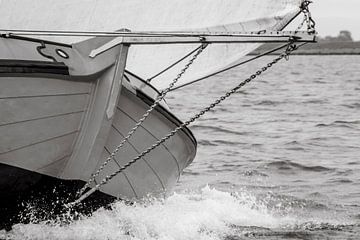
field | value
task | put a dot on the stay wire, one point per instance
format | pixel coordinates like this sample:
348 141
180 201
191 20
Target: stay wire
172 65
229 68
291 47
143 118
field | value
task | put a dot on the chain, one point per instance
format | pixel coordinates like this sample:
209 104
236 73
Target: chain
302 23
291 47
307 17
138 123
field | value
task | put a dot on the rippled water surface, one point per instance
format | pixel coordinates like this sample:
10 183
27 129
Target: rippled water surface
278 160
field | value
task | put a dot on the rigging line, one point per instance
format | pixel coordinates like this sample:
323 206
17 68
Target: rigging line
229 68
143 118
289 50
172 65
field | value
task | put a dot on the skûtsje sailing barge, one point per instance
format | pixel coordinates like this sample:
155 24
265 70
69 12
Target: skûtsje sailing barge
80 110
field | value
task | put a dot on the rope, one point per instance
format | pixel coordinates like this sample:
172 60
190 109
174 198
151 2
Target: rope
310 29
229 68
307 17
172 65
138 123
290 48
288 51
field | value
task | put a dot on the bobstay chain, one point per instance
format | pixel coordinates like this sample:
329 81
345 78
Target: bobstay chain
289 49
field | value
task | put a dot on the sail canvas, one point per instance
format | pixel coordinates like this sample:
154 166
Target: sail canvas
214 16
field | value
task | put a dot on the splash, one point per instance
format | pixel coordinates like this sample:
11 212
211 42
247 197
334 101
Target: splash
206 214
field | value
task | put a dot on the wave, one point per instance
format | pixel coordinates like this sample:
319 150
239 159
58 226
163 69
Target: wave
227 143
352 106
340 180
289 165
315 101
217 129
205 142
268 103
291 203
251 173
345 124
204 214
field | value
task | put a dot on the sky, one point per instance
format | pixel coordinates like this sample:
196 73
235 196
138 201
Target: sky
332 16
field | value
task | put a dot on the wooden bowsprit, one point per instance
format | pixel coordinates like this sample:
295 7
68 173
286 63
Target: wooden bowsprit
215 38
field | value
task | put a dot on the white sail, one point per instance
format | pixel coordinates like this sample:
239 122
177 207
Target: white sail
156 15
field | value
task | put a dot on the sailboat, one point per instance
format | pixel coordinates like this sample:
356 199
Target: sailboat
76 77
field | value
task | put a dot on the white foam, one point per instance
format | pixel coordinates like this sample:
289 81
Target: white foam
208 214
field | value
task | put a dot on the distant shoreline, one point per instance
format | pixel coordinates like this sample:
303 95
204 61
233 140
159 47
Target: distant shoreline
321 48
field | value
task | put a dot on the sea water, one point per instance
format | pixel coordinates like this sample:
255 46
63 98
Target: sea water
280 159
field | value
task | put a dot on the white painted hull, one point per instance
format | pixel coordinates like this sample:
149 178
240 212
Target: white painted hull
65 123
158 172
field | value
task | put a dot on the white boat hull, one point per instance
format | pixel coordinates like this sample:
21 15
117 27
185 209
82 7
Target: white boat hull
64 123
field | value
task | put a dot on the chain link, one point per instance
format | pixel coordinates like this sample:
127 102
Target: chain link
140 121
307 17
291 47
